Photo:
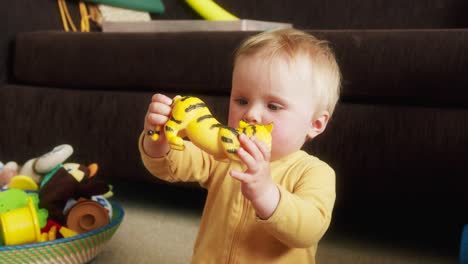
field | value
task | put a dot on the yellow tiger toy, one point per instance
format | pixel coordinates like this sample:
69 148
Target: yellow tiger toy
191 117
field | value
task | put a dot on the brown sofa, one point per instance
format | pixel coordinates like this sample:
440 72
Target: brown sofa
398 140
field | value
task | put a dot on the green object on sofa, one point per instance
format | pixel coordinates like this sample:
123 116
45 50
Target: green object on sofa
152 6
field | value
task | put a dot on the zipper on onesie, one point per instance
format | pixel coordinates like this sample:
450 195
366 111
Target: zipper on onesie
238 230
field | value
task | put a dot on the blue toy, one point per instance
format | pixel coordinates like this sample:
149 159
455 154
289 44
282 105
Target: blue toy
464 246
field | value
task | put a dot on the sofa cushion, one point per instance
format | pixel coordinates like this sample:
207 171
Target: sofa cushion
425 67
102 126
198 61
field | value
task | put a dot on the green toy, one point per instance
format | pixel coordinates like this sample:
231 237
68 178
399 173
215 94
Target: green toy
152 6
15 198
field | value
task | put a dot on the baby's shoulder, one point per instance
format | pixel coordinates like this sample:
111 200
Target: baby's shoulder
305 159
310 164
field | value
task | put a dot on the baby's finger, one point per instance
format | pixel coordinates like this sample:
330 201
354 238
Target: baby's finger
159 108
153 120
263 148
242 177
161 98
247 159
250 147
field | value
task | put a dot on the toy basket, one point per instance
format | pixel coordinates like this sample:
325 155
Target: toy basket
81 248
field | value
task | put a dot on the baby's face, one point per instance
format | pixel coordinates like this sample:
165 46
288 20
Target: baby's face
275 91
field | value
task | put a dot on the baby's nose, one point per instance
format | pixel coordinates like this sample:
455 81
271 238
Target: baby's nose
253 116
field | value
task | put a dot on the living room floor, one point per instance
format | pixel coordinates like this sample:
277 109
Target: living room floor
161 223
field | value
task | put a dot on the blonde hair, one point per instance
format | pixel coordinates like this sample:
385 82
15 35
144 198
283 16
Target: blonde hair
294 43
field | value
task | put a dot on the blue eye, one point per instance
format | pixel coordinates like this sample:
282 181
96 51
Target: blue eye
274 107
241 101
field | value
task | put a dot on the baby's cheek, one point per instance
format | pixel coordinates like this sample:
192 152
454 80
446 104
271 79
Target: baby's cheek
285 140
278 137
234 117
233 121
279 145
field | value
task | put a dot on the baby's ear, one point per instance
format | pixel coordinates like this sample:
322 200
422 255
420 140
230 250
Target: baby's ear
318 124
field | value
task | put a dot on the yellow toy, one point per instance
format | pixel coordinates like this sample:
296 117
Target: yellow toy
23 182
209 10
191 117
20 226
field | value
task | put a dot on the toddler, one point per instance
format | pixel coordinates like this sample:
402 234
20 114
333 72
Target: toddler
272 206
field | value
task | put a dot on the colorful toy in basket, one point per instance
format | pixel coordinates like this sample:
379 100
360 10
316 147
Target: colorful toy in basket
29 175
20 217
7 172
69 181
29 234
12 199
191 117
87 215
20 225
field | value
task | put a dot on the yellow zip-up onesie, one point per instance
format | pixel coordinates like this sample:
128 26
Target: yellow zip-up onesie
229 230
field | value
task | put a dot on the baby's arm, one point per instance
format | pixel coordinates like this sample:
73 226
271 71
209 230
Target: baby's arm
256 182
298 219
304 213
158 114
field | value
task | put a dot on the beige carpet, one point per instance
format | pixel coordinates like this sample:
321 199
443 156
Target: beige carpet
152 235
161 223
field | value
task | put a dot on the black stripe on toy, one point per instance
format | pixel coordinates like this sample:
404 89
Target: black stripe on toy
233 131
201 118
216 126
232 151
175 120
195 106
226 140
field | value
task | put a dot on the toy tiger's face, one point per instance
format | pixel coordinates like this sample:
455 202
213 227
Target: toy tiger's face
261 132
229 137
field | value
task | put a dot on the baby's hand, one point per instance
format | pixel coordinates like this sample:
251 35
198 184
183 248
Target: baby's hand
256 182
159 111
